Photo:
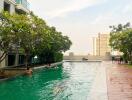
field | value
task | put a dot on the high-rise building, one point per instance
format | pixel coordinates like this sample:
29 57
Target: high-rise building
101 45
13 6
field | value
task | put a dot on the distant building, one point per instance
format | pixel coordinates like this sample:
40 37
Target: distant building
101 45
20 7
14 6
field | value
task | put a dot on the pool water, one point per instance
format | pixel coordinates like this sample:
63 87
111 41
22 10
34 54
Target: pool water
70 81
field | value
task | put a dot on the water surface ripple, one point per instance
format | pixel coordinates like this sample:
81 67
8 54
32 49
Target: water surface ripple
71 81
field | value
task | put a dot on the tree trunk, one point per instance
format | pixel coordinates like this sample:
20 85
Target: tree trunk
3 56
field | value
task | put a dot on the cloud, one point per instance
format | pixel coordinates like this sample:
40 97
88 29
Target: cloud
127 8
73 6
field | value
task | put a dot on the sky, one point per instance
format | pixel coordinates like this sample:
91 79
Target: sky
83 19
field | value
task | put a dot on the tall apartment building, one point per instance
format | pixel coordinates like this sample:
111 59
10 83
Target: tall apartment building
13 6
101 45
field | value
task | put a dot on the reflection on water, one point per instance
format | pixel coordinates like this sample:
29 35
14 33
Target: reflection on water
71 81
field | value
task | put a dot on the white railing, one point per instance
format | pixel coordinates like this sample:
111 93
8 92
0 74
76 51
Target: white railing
13 1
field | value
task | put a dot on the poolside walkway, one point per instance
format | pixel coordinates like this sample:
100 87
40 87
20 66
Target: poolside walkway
99 88
119 82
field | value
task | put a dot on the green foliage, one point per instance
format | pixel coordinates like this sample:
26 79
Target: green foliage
32 36
121 39
58 57
7 36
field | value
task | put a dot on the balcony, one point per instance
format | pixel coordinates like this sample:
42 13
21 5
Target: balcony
22 6
10 1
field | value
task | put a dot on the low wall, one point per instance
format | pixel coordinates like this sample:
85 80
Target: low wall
2 64
79 57
47 66
12 72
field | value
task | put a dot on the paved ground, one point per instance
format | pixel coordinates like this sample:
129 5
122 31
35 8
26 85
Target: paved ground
119 82
99 88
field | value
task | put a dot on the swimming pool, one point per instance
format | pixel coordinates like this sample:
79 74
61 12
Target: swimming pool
70 81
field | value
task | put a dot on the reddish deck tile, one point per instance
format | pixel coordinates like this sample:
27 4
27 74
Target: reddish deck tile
119 82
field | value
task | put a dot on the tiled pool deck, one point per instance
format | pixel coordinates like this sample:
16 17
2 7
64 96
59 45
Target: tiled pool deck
99 88
112 82
119 82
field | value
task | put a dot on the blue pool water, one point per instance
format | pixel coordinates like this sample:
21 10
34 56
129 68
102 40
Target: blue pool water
70 81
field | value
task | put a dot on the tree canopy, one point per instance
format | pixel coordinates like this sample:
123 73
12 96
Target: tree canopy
31 35
121 40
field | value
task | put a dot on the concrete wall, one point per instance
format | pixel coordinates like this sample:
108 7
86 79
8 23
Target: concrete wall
1 5
12 5
11 72
2 64
79 57
12 8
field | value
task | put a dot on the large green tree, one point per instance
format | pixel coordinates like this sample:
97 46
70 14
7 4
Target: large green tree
121 39
22 27
32 36
56 45
7 36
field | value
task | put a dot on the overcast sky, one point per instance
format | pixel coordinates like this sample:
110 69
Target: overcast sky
83 19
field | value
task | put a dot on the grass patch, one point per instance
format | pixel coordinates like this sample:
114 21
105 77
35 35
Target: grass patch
129 66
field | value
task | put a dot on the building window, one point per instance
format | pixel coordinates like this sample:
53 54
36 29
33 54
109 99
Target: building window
11 60
24 3
21 59
6 7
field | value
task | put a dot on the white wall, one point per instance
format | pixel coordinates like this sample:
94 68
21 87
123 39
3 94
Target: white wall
1 5
12 8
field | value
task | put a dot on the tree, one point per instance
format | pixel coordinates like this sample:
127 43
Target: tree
33 37
23 28
56 44
7 37
121 39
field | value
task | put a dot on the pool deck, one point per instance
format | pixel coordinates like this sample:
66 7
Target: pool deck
99 88
112 82
119 82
